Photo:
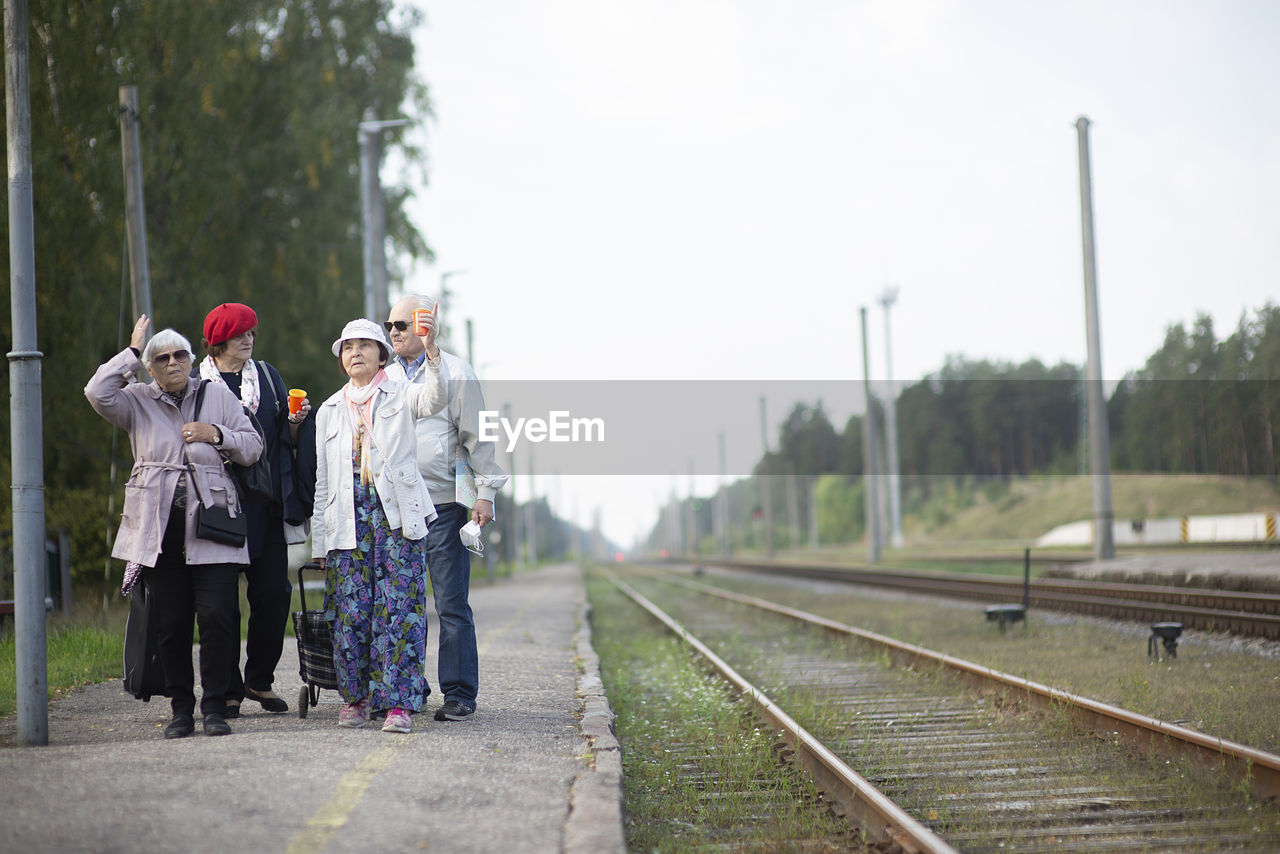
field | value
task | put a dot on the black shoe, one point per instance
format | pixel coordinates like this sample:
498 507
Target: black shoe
214 724
454 710
270 702
233 709
180 727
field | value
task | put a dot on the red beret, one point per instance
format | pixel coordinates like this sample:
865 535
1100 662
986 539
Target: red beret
227 321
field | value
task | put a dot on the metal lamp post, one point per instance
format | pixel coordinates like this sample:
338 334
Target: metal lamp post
374 215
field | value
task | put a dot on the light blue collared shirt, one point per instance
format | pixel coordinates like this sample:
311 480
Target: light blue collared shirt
411 368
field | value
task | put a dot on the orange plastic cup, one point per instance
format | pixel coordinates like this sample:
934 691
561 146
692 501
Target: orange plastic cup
295 400
422 320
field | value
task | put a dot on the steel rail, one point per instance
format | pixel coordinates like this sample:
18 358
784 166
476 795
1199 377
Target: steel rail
1251 614
1261 770
882 820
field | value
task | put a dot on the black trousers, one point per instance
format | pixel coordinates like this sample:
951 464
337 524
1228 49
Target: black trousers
185 596
269 594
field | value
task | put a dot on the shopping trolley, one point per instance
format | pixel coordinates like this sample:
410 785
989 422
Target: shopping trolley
315 649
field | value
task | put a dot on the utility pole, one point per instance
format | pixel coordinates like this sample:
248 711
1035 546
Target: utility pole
517 547
471 358
766 490
531 518
1104 547
869 465
692 514
813 512
442 314
793 508
135 208
722 506
26 439
887 299
374 214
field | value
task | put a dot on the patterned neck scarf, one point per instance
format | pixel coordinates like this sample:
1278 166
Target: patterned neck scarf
360 410
250 391
176 396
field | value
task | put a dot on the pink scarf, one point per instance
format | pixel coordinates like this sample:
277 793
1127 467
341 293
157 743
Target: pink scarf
360 409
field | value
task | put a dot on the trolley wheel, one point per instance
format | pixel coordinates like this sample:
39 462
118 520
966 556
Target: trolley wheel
303 705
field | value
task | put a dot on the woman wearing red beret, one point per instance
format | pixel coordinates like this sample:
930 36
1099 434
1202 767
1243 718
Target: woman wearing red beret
229 334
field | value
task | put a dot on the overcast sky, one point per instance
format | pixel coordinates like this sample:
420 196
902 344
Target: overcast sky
711 189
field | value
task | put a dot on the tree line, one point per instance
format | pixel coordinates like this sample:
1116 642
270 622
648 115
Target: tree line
1200 405
248 123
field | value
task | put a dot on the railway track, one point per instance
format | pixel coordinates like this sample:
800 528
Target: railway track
944 769
1248 614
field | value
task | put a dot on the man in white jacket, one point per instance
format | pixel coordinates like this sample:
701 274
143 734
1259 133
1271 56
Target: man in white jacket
445 441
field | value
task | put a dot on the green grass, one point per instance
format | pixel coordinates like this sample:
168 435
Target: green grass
1028 508
766 650
699 768
80 651
1212 687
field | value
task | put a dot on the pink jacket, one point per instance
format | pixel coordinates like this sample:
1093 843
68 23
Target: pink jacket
154 425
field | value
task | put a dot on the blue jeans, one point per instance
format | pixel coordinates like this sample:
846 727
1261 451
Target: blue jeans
449 565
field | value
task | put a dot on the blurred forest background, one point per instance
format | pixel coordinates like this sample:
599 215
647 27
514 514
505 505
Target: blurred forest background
969 432
248 115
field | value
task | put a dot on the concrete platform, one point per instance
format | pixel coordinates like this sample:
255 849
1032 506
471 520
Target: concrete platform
1253 571
536 769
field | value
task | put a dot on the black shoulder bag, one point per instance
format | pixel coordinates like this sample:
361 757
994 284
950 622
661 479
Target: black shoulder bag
253 482
216 524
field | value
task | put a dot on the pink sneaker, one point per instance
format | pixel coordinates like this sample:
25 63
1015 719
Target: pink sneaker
398 720
354 715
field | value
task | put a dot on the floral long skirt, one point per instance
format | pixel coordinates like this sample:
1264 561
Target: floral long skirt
375 601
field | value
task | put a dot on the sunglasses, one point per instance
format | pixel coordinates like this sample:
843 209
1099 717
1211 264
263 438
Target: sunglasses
398 325
162 359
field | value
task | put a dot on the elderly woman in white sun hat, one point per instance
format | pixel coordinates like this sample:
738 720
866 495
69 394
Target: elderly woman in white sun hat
371 514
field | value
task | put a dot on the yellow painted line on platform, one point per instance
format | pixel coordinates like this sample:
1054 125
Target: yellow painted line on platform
346 796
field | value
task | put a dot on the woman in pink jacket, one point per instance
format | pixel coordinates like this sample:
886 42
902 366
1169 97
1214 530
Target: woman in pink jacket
187 576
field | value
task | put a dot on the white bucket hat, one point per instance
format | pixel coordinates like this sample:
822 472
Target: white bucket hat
362 328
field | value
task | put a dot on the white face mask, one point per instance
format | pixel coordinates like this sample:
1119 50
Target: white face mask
470 536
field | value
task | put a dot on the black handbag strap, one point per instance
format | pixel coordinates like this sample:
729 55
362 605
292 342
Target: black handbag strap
195 417
200 399
277 389
191 471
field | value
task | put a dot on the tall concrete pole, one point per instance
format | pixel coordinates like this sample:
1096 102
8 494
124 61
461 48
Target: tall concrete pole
692 514
793 508
442 314
723 504
374 215
517 546
870 468
1099 440
887 299
135 207
26 439
766 488
531 518
813 512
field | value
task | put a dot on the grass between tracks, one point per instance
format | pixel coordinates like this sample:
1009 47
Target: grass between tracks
781 656
699 768
1228 687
